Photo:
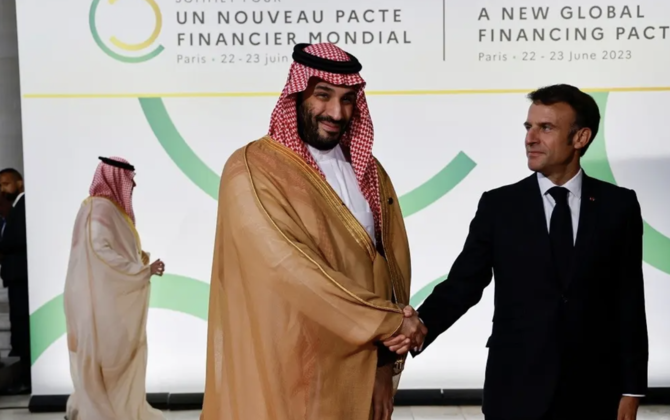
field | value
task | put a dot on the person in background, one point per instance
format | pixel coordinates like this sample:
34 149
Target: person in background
311 260
14 273
569 338
106 302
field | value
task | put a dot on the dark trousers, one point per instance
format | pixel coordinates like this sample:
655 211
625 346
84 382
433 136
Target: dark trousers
19 317
568 405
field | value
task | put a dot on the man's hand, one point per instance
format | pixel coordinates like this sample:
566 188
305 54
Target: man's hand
411 334
382 395
157 268
628 408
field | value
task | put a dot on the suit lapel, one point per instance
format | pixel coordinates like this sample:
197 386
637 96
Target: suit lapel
587 225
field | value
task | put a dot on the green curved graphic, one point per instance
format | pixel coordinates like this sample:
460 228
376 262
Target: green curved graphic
100 43
202 176
176 293
176 147
656 246
438 186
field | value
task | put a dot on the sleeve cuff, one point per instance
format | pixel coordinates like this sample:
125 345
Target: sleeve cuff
419 349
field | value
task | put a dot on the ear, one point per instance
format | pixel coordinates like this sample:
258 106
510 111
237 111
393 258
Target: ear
582 138
19 184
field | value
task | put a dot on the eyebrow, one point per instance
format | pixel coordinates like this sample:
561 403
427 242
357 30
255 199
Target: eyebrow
526 124
331 90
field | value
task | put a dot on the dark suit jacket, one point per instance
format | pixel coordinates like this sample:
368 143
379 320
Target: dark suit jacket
589 336
13 246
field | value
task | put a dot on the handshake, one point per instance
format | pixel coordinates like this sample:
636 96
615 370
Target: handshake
411 334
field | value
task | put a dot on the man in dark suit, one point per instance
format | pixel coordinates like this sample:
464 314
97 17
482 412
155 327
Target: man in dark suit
569 338
14 272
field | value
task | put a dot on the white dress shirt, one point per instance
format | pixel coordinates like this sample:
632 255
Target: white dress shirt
574 186
341 177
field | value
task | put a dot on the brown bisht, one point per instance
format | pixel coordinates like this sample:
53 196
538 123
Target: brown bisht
300 297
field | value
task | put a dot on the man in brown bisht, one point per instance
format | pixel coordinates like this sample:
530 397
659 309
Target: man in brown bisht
311 261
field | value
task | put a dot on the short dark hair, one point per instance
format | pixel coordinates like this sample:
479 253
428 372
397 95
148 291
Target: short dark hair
17 174
587 114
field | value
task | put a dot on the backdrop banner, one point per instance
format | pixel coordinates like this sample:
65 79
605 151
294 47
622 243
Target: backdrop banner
175 86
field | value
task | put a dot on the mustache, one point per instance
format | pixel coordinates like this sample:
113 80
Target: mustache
330 120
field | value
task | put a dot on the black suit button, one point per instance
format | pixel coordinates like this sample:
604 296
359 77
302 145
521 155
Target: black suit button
564 299
390 201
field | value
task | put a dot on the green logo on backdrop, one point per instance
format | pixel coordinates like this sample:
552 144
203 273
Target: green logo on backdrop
190 296
145 48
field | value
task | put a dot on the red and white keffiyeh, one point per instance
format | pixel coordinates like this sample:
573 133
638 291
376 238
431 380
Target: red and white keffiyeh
358 139
114 184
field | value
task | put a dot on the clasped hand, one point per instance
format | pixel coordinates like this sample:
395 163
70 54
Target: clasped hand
157 268
411 334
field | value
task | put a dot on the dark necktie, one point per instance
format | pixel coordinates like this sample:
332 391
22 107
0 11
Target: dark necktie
561 234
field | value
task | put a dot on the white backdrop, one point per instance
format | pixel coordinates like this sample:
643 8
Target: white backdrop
446 85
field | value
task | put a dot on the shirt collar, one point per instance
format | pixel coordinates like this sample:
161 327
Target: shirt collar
17 199
574 185
323 155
